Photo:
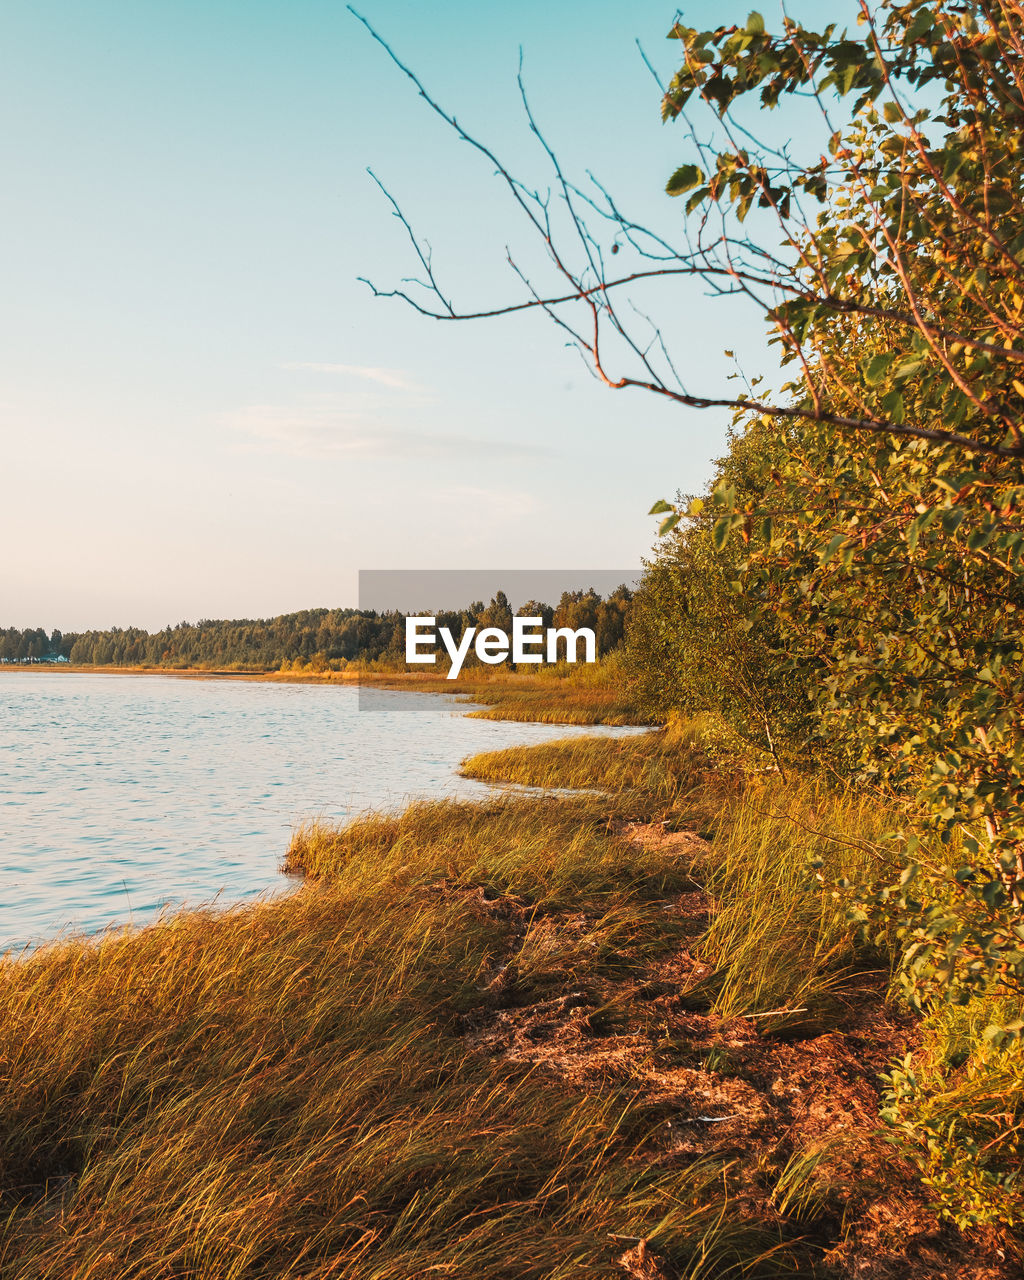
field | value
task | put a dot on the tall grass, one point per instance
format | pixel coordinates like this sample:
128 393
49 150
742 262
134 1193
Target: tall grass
779 938
284 1090
555 854
664 773
781 935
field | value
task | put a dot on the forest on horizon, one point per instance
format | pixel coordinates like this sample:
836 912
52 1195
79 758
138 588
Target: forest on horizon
325 639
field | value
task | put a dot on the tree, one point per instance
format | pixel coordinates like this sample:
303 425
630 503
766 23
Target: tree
887 543
497 614
697 641
892 198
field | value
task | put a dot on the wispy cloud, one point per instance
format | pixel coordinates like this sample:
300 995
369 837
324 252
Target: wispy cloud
478 503
393 378
327 429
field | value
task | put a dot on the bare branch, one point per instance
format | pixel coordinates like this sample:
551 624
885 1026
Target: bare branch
727 265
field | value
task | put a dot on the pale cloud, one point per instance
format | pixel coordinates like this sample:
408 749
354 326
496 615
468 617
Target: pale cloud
393 378
328 429
475 501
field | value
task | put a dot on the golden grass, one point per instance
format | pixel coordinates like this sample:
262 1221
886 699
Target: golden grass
283 1090
665 772
564 694
779 936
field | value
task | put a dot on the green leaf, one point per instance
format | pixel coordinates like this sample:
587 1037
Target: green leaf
668 524
895 410
720 532
923 22
755 24
876 367
685 178
832 548
892 113
906 368
659 507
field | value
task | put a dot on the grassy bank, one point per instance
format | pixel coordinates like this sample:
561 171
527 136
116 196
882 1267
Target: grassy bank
290 1090
556 695
619 1034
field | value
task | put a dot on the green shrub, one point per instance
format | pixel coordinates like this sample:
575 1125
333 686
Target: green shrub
957 1109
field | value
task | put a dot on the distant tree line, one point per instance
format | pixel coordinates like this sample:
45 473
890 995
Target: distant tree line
32 645
322 639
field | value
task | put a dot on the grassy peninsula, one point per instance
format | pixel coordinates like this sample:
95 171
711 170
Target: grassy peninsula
616 1033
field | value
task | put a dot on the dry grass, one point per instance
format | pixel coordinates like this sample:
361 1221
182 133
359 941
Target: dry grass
779 937
285 1091
353 1081
664 773
554 695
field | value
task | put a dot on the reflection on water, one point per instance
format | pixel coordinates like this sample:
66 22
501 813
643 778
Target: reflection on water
121 794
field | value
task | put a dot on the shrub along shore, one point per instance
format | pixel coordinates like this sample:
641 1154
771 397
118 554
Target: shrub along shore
625 1032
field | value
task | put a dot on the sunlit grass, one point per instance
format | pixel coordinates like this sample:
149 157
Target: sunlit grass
564 694
283 1090
779 936
557 854
663 772
287 1090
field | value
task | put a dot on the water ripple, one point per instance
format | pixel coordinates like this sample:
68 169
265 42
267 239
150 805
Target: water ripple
120 795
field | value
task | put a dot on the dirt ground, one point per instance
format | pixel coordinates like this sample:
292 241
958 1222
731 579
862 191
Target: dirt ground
757 1091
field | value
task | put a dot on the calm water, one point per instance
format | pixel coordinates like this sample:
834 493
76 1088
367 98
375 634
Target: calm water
122 794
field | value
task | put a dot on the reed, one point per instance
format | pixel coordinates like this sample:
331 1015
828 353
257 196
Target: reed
283 1090
297 1089
561 694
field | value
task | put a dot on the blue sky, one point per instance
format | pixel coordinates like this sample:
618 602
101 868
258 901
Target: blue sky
203 413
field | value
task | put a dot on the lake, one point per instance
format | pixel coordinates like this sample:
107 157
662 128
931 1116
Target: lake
122 794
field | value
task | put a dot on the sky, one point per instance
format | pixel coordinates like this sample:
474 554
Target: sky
204 413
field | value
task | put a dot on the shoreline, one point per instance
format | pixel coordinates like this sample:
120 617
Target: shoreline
465 982
457 704
551 950
188 673
571 697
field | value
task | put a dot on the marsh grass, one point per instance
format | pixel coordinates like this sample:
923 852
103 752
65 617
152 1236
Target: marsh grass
286 1092
283 1090
559 694
664 773
553 853
781 934
779 937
